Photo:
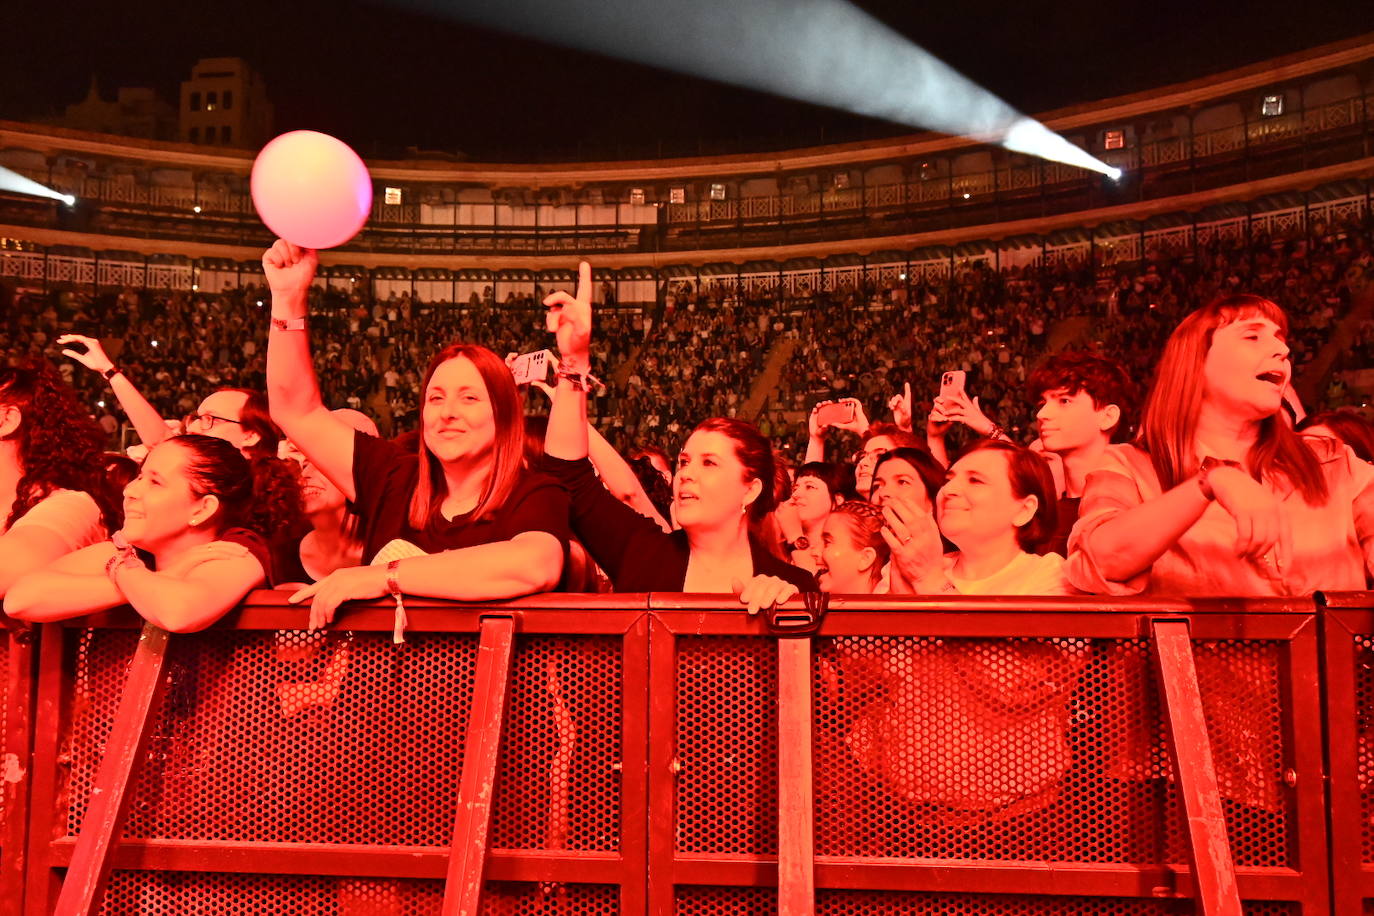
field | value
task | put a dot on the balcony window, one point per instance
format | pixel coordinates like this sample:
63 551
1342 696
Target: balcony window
195 101
1271 106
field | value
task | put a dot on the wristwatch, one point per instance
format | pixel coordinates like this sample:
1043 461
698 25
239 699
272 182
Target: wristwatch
801 543
1204 472
110 372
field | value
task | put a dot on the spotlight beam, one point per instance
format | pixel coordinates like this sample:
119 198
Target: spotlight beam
827 52
15 183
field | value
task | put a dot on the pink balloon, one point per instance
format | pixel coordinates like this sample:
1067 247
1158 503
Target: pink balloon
311 189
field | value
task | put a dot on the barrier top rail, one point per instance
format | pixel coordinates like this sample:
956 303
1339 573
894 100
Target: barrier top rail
593 613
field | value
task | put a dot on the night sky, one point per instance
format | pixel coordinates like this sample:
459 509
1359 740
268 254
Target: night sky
384 79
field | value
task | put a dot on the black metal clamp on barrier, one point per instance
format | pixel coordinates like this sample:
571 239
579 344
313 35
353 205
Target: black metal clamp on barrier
791 623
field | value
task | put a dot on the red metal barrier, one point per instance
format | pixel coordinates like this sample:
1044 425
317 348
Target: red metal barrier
1348 679
16 763
977 756
921 711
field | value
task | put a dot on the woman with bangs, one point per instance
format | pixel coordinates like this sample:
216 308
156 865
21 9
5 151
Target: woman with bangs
1218 495
473 522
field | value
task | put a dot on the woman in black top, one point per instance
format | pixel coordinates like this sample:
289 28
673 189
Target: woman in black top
723 480
492 529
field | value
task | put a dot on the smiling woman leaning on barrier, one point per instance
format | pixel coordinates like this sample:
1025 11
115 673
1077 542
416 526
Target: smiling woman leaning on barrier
191 548
477 522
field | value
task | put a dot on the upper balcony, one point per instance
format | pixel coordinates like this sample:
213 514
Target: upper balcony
1306 117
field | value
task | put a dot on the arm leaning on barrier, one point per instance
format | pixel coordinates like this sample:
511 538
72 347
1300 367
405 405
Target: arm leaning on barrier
195 591
527 563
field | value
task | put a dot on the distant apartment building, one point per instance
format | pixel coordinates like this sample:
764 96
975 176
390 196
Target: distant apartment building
224 103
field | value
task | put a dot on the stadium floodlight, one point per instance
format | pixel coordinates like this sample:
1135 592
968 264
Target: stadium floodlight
827 52
15 183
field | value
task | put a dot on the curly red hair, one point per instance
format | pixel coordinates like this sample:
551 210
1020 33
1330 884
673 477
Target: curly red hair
61 447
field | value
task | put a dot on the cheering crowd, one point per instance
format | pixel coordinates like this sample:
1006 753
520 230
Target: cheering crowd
1208 485
1211 483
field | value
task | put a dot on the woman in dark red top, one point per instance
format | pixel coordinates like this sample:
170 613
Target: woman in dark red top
723 480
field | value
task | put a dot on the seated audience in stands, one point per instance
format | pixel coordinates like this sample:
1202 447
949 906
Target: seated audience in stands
724 480
55 496
1219 496
997 506
477 523
191 547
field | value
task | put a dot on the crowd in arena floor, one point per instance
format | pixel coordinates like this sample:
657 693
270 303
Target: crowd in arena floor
700 350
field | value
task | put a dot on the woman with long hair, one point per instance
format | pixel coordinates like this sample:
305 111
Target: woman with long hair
724 481
1218 495
54 494
191 547
479 523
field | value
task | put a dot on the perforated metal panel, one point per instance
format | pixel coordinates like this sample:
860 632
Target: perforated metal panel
558 785
297 737
735 901
971 749
727 742
1364 738
181 894
288 737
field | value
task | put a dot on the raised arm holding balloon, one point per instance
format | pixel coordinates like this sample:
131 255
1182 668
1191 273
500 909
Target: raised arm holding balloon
487 527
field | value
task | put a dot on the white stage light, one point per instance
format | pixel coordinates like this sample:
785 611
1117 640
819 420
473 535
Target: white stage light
17 184
827 52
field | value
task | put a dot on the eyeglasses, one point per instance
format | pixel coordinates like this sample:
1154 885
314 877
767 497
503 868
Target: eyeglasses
207 421
871 455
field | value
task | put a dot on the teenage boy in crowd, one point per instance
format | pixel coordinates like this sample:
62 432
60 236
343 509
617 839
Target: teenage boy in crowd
1086 402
